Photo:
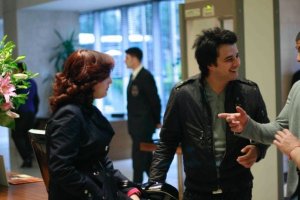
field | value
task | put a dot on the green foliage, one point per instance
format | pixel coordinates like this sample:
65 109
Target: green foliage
63 50
6 121
10 80
7 63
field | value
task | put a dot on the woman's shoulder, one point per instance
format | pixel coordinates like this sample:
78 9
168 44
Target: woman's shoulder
68 110
70 107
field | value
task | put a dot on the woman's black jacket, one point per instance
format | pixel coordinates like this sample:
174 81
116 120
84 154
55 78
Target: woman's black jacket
77 139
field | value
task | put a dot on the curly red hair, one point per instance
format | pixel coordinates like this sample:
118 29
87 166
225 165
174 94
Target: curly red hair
82 70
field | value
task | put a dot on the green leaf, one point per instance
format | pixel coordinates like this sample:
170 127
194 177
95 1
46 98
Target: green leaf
6 121
8 65
19 58
63 50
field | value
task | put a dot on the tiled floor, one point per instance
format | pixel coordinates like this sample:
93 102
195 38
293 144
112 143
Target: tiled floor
13 161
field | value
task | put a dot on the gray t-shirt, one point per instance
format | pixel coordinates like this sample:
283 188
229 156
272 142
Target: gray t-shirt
216 102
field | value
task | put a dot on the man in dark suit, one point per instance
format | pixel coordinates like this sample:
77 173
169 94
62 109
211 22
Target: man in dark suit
143 106
27 112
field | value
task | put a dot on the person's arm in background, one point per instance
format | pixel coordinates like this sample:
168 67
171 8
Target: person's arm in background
154 100
240 123
288 144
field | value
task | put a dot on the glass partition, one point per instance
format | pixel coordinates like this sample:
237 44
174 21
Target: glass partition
153 27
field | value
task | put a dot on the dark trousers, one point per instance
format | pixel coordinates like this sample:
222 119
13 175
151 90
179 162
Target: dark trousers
244 193
296 195
141 160
20 134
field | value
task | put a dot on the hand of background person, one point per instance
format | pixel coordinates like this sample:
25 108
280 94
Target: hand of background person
249 157
236 121
286 142
135 197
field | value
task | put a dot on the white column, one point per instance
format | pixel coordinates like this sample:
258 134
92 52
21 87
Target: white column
259 62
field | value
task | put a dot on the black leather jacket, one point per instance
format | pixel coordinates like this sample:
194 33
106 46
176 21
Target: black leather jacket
188 122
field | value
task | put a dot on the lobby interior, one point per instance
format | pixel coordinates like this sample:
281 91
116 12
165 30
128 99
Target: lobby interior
269 28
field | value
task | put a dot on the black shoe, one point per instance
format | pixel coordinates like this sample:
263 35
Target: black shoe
27 163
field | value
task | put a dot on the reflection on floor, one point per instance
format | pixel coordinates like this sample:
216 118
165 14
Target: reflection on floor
13 161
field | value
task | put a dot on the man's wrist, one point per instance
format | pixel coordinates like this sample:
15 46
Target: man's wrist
293 152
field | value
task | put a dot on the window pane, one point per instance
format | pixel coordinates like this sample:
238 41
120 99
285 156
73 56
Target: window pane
140 32
86 35
110 22
170 46
153 27
111 43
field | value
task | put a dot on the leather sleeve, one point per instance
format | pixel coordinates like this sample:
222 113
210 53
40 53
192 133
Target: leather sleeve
169 140
260 116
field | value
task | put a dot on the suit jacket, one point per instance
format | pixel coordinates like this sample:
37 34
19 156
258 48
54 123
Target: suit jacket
77 138
143 105
32 102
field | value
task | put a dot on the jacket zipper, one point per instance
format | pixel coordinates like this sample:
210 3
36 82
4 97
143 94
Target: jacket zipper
212 139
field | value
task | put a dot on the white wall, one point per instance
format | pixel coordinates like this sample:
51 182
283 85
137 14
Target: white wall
260 67
36 39
289 27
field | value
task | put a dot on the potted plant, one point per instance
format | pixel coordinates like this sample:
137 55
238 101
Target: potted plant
63 50
11 80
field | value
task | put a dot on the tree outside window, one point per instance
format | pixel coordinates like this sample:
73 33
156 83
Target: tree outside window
153 27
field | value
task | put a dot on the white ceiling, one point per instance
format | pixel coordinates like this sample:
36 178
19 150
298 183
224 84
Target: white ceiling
82 5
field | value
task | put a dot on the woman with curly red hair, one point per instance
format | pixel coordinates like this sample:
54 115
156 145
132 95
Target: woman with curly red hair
78 135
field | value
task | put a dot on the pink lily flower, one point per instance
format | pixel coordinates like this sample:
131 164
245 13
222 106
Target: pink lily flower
6 88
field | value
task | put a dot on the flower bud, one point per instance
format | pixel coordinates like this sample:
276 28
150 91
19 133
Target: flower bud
20 76
12 114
